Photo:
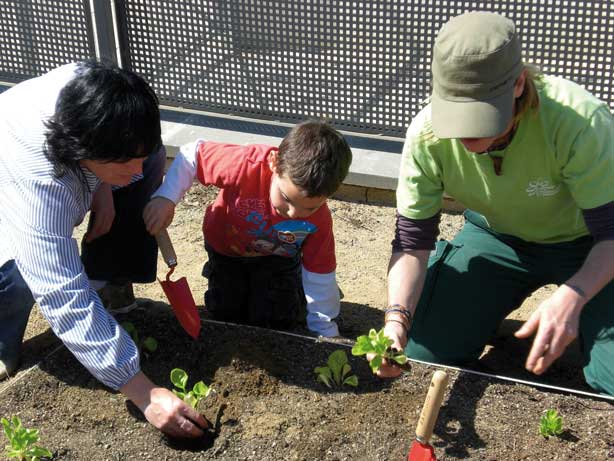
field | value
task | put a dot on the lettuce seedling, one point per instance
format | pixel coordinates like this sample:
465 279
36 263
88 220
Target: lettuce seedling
200 390
22 441
551 424
147 345
336 371
378 344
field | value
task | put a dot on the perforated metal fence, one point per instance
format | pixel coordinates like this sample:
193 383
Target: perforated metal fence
364 65
39 35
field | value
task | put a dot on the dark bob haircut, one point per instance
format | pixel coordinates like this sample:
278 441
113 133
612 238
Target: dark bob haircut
105 114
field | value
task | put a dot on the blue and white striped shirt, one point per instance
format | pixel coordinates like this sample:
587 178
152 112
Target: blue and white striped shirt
38 214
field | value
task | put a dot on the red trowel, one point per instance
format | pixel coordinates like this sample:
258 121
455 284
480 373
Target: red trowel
178 292
421 450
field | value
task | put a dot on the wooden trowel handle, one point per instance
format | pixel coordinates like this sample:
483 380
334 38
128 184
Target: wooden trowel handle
432 403
166 248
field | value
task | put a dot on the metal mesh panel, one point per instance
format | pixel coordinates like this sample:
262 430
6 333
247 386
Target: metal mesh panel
364 65
39 35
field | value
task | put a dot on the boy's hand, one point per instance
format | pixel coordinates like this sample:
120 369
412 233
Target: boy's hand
158 214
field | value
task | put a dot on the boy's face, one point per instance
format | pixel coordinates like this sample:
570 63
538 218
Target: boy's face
288 199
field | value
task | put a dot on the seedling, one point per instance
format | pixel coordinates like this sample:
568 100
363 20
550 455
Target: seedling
147 345
378 344
336 371
22 441
200 390
551 424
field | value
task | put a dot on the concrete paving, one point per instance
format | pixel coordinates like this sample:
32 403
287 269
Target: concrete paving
375 164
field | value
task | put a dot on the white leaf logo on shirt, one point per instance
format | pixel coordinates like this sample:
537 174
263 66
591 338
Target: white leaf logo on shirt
542 188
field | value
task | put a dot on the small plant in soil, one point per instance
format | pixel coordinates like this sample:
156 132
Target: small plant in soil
378 344
551 424
200 391
147 346
336 371
22 441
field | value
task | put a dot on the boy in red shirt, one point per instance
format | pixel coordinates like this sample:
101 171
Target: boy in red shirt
269 232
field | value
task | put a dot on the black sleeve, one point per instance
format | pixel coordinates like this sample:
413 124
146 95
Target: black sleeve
600 221
415 234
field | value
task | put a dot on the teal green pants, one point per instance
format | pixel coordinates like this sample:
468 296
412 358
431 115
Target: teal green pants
477 279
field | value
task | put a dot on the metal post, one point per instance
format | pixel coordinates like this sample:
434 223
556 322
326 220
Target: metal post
105 30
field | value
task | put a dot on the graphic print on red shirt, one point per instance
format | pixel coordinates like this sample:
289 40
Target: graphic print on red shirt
242 222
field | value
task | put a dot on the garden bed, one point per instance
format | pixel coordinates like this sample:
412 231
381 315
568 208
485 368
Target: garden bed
272 407
268 406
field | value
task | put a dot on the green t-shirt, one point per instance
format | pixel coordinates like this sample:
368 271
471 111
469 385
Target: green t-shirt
560 161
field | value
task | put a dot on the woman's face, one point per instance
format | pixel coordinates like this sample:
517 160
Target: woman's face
481 145
115 173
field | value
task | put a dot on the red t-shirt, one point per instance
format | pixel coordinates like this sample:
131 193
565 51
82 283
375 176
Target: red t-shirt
242 222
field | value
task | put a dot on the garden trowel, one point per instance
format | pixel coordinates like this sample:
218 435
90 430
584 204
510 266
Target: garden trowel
421 450
178 292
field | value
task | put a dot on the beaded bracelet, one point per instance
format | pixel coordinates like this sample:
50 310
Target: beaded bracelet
404 313
399 322
401 310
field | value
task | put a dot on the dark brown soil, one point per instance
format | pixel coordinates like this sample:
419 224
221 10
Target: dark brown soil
275 410
267 403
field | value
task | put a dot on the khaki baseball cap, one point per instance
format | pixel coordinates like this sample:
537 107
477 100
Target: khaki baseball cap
476 61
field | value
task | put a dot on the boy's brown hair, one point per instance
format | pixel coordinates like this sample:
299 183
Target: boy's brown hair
315 157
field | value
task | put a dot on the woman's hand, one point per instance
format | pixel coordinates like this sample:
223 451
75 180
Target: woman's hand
158 214
163 409
103 210
555 322
173 416
397 333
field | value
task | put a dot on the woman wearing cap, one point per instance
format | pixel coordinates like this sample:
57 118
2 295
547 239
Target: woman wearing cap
532 159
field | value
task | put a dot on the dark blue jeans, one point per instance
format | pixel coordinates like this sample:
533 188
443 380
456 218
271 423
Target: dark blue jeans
16 302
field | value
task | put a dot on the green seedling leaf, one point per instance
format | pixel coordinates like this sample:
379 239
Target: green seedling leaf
378 344
551 424
191 399
336 362
351 381
150 344
201 390
324 375
22 441
129 327
336 370
179 378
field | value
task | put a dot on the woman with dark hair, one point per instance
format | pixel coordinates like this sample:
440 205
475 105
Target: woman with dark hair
82 137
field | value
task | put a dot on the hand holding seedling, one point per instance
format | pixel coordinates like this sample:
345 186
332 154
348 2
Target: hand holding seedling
163 409
378 348
200 391
397 334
